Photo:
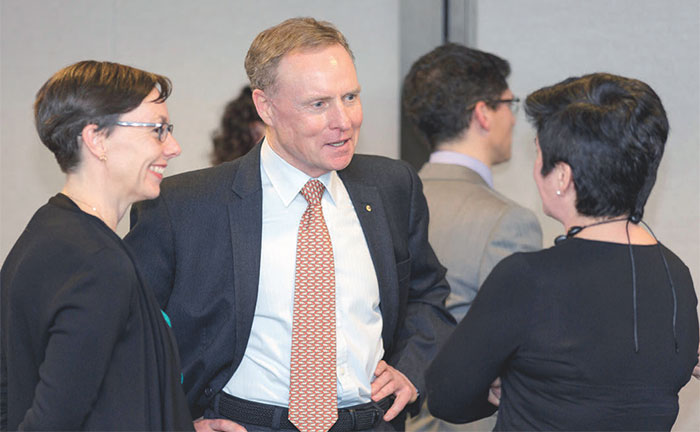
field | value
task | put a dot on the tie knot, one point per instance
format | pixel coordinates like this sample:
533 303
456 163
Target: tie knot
312 192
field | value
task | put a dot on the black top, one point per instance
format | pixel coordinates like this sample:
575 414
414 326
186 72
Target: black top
84 345
558 327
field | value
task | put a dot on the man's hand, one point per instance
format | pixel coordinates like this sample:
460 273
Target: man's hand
390 381
217 425
495 392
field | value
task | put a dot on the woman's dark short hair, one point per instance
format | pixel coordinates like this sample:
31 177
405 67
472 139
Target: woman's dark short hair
89 92
235 136
442 87
611 130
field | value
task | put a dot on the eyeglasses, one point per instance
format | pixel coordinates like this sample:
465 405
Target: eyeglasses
163 128
513 104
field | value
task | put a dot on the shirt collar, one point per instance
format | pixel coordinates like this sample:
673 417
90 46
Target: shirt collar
451 157
287 180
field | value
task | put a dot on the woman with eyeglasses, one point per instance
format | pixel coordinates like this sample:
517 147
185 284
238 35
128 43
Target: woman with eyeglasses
600 331
84 344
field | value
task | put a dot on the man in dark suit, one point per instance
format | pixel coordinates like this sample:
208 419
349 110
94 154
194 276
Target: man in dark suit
219 247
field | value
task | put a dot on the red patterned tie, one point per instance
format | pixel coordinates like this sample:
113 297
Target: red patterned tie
313 402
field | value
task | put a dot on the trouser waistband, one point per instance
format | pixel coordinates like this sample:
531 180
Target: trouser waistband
355 418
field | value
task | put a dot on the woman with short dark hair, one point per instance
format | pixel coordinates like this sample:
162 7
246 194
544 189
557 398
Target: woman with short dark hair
599 332
84 344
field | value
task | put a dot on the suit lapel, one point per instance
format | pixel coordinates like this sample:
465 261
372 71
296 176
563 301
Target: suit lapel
245 219
371 213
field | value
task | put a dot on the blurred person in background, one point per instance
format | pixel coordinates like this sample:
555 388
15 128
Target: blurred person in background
459 101
240 129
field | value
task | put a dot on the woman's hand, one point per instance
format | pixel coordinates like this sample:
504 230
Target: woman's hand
495 392
696 371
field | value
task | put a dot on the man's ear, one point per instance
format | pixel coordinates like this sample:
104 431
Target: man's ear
263 104
93 140
481 116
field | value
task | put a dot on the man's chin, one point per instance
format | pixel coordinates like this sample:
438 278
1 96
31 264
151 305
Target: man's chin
343 163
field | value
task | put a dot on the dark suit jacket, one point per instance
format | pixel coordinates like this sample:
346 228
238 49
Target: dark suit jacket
199 247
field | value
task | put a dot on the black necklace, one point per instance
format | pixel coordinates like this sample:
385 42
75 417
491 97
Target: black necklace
577 229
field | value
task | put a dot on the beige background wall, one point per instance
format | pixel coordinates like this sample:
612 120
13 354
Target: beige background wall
201 45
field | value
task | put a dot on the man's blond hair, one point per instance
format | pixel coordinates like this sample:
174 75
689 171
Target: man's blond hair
272 44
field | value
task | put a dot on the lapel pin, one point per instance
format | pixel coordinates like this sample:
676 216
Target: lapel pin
368 208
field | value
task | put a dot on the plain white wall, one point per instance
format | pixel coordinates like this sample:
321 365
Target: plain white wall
199 45
655 41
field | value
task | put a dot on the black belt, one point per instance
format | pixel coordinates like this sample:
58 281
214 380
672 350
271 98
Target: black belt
355 418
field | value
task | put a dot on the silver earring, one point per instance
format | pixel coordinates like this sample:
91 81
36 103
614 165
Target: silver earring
558 192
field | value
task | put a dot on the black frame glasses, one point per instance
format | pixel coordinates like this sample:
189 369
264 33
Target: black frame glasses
163 128
513 104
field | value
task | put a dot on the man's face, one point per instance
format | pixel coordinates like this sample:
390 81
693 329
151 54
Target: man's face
314 111
502 130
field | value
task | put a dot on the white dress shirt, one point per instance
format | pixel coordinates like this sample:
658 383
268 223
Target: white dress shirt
263 375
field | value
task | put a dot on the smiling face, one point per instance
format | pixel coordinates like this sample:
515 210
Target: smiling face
313 110
136 158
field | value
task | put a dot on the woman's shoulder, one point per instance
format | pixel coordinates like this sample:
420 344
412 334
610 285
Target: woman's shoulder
61 243
526 261
534 272
520 268
674 260
60 229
